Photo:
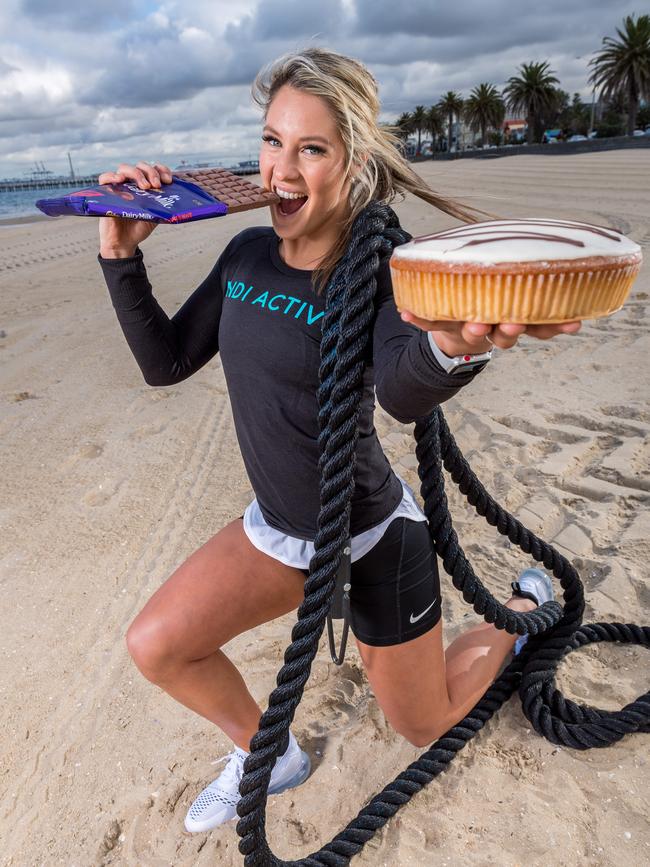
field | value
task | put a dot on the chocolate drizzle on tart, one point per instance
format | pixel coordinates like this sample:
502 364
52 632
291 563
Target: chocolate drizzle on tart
520 230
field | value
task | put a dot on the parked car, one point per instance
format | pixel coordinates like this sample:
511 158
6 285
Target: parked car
578 138
647 131
638 132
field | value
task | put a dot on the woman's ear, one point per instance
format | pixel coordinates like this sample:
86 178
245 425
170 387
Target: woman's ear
357 166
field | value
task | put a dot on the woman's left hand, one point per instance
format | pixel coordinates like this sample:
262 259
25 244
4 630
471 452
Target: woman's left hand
458 338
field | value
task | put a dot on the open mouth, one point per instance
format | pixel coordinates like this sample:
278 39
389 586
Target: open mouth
288 207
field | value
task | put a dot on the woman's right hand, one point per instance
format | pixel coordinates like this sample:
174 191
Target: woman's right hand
120 236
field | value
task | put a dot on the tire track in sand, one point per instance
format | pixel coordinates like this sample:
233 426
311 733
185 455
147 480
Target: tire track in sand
75 724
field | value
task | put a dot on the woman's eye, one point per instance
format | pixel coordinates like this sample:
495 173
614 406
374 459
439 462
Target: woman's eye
269 139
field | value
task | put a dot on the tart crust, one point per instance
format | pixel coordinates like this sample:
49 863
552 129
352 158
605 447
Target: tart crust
558 290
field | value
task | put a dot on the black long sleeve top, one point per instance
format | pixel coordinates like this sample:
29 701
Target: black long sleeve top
264 318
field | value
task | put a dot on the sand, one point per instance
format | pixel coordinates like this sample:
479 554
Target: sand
109 484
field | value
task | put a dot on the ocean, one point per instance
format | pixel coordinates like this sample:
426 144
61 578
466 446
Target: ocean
20 203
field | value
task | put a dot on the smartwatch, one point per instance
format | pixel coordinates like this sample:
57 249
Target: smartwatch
457 363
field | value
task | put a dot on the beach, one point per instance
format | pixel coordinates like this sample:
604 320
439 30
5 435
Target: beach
110 484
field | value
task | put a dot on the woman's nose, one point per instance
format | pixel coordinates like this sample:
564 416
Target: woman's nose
285 165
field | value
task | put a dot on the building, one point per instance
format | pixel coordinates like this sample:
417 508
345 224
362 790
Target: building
514 130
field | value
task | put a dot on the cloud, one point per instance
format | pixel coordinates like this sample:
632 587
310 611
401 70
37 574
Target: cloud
174 61
6 68
124 79
474 19
284 19
84 16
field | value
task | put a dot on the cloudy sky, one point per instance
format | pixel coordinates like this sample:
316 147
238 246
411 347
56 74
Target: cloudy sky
121 80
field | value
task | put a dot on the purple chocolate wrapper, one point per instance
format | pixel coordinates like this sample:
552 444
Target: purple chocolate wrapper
178 202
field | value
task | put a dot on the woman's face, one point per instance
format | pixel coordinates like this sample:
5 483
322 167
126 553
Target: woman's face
302 152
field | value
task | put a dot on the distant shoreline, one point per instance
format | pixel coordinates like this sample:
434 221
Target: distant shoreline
596 145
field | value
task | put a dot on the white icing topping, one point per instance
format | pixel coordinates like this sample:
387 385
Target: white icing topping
527 240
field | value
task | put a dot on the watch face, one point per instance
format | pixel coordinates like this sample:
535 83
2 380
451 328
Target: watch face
462 366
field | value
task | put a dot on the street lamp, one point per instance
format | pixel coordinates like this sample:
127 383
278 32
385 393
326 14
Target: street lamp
593 105
593 102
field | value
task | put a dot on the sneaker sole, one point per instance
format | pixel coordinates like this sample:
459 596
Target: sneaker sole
299 777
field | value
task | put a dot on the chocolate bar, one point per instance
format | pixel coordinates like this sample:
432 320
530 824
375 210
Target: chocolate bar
196 194
234 191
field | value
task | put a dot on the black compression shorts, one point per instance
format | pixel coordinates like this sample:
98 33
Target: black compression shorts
395 593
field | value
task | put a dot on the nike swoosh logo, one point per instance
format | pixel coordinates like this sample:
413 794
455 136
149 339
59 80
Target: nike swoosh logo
414 619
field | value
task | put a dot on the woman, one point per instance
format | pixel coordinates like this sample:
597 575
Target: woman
260 307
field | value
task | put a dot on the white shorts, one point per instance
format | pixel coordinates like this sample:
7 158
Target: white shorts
298 552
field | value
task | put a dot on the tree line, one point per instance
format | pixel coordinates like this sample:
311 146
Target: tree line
620 71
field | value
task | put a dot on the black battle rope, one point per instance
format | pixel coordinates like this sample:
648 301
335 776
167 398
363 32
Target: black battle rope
554 630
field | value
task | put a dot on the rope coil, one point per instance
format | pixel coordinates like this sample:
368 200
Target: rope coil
554 629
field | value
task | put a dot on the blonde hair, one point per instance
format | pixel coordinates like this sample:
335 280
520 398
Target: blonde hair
374 158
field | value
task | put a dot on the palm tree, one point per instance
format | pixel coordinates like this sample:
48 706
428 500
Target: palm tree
404 128
532 93
434 125
484 108
623 67
451 104
579 114
405 125
419 117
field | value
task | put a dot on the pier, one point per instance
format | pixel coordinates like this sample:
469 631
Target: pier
11 185
14 184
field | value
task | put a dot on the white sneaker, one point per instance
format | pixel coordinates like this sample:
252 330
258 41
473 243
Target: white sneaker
532 584
217 803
